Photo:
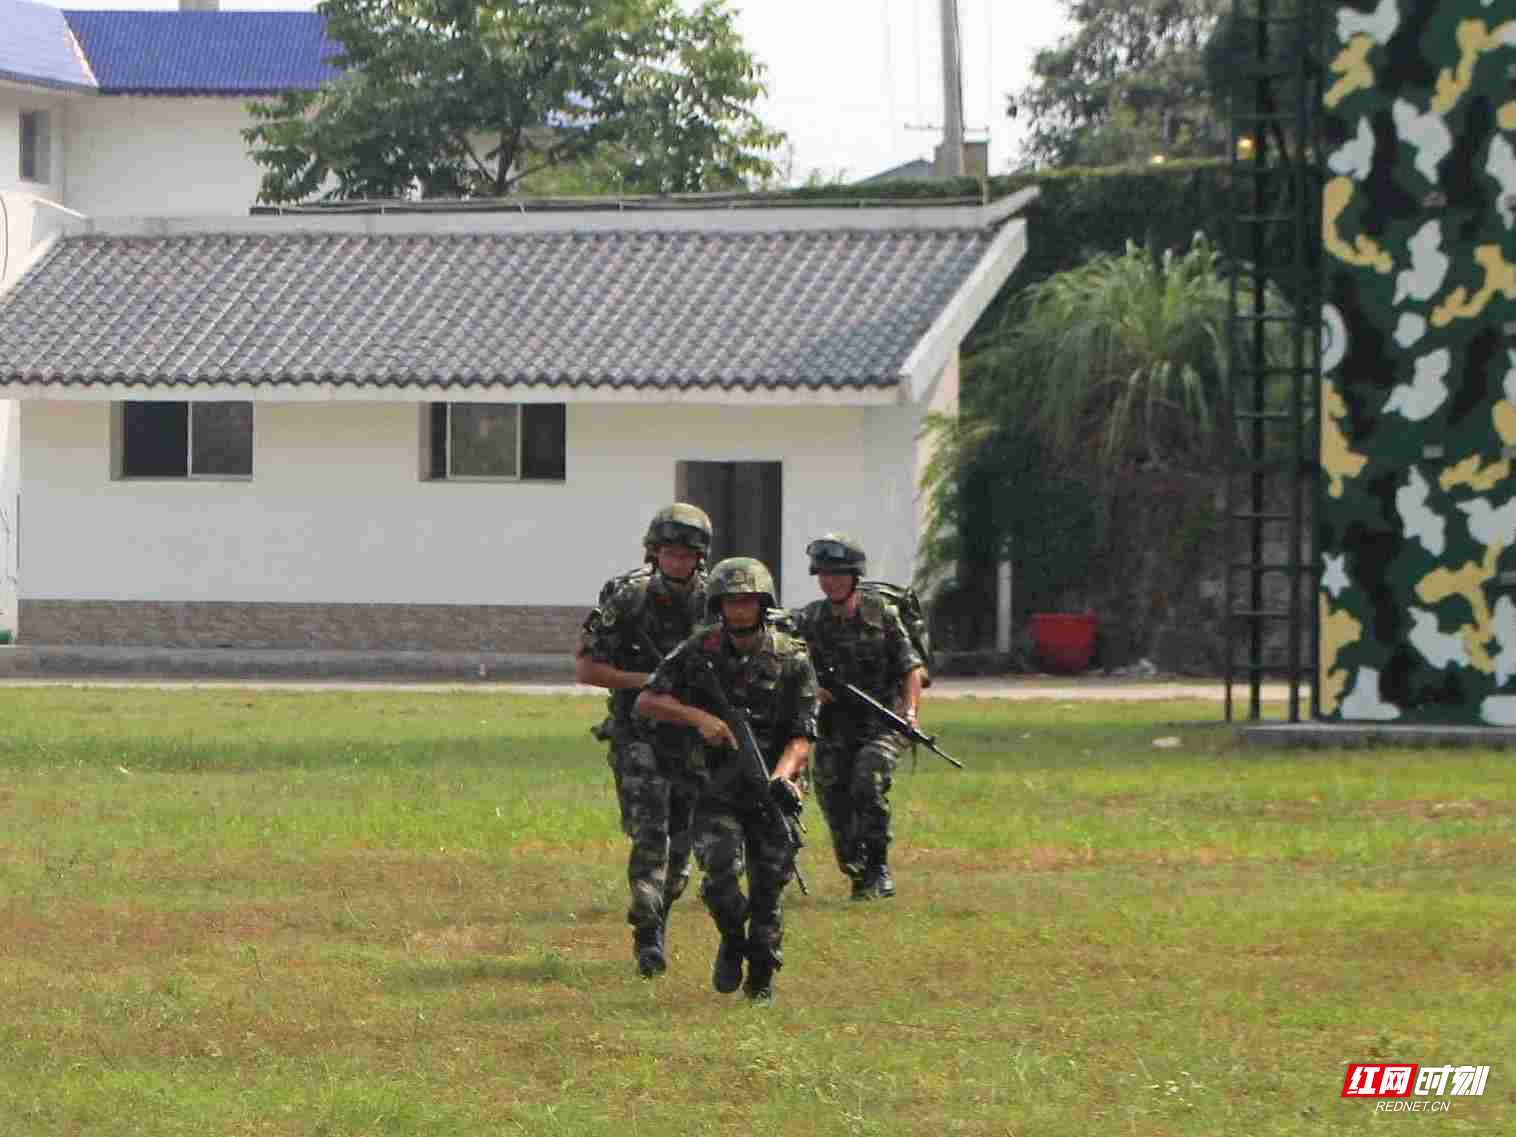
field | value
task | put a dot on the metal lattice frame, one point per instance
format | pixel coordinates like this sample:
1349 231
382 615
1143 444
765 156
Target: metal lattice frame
1272 482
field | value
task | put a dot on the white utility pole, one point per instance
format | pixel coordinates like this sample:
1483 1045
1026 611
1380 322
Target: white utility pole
950 153
1003 609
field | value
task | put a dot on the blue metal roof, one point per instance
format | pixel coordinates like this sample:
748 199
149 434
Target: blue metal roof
36 48
204 53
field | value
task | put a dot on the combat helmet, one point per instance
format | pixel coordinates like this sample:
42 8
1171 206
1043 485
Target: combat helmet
739 576
678 524
837 552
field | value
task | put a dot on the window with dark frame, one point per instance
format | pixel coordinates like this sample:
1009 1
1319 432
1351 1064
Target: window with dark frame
35 145
496 441
186 440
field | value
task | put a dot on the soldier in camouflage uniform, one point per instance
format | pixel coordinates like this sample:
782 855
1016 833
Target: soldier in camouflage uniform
767 676
857 637
640 617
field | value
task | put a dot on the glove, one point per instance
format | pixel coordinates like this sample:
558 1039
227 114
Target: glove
786 795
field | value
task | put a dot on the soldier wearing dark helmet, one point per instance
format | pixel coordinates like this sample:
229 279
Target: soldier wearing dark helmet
857 637
640 617
767 676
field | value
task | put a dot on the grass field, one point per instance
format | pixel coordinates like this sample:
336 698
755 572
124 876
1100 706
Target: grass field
250 912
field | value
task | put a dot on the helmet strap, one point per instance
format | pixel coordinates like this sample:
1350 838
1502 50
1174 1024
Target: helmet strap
848 602
747 635
743 633
652 559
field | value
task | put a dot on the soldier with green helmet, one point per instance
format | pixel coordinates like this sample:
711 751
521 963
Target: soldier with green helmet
640 617
857 637
767 676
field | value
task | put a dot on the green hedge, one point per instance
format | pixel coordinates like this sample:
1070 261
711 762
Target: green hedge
1081 212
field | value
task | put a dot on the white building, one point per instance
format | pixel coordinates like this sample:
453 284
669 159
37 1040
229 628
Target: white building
427 430
111 113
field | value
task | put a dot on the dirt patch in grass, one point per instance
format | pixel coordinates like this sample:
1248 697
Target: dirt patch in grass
1055 858
127 931
1421 809
459 941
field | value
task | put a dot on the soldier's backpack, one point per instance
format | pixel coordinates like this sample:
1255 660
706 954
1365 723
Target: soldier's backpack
640 575
908 604
612 586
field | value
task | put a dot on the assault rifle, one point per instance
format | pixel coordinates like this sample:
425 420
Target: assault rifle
645 642
755 771
830 680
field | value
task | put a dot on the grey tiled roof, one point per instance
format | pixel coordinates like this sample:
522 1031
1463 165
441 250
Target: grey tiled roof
662 311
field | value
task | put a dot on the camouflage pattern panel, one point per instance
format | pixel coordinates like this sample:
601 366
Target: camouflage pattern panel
639 609
1417 517
870 649
775 685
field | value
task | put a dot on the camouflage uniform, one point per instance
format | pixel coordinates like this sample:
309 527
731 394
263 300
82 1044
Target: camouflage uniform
856 754
656 805
776 687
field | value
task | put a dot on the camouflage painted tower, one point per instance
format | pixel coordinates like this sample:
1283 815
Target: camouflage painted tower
1417 513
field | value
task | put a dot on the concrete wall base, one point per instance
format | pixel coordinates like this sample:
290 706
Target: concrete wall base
46 661
1307 735
501 629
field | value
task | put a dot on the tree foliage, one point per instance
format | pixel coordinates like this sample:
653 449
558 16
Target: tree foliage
1129 81
1120 364
1280 38
461 98
1094 429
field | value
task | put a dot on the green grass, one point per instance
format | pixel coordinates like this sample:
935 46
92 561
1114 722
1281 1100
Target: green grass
256 912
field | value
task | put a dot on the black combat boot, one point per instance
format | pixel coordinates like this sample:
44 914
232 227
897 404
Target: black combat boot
760 983
726 975
860 878
850 859
647 946
877 884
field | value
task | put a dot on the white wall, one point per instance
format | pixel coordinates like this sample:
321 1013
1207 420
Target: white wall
895 481
14 100
10 518
25 222
152 156
115 155
336 512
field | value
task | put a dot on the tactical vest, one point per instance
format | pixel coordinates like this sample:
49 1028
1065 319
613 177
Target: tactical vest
754 684
857 648
662 617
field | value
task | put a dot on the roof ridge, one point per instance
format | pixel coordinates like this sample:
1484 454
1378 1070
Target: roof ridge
555 235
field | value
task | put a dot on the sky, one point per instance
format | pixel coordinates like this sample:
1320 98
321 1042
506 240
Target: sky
856 84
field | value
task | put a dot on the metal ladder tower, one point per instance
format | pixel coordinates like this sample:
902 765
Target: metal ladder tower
1274 350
